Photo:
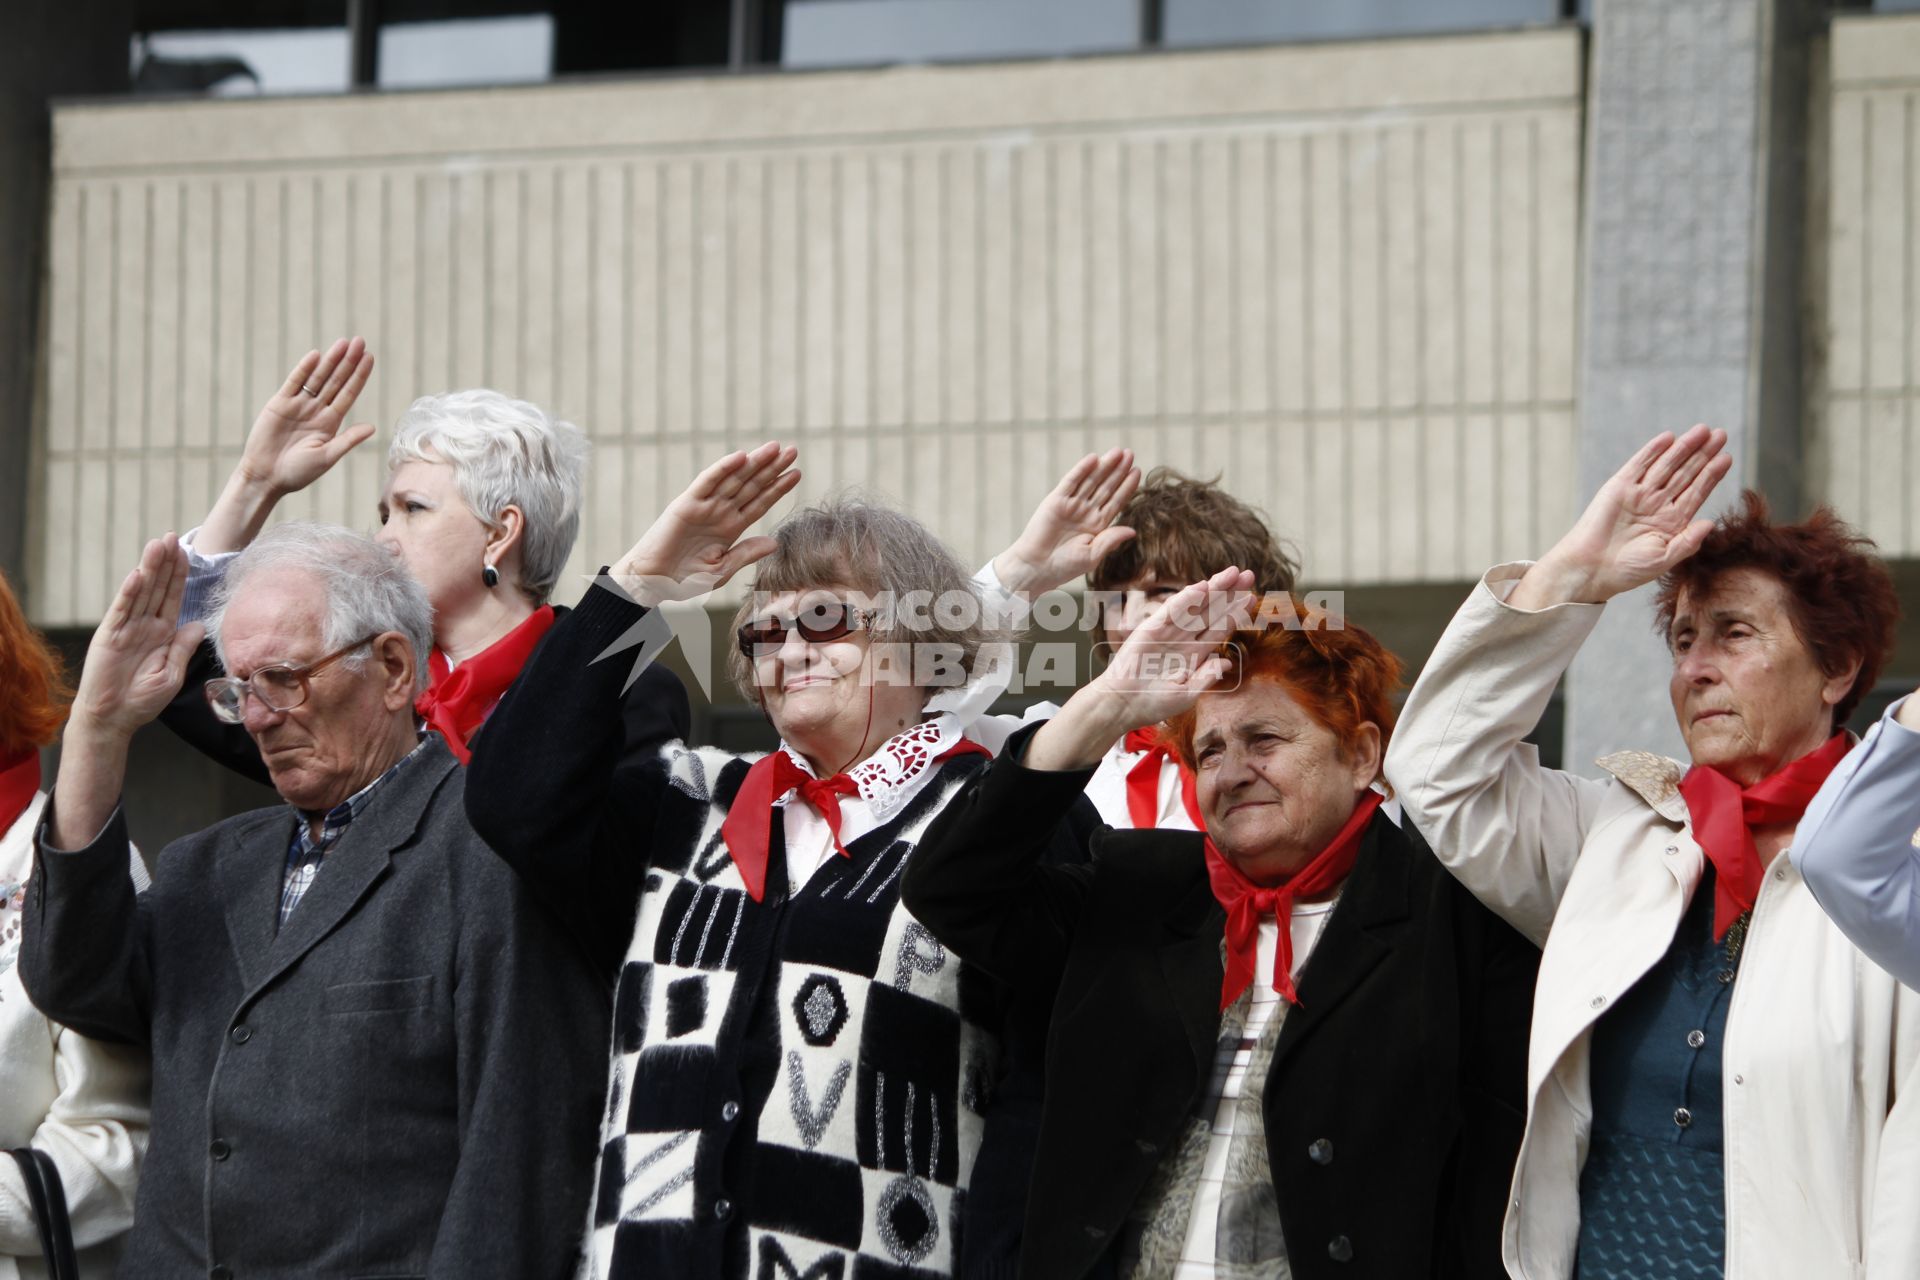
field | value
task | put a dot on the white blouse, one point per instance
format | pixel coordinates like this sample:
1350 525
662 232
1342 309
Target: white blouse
82 1102
1267 1007
885 780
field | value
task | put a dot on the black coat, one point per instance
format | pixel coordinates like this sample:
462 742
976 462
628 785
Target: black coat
654 708
1395 1102
405 1080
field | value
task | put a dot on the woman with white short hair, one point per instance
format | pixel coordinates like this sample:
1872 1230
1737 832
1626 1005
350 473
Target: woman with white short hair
482 504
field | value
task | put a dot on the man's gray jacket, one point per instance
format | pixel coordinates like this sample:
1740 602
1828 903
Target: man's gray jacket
405 1081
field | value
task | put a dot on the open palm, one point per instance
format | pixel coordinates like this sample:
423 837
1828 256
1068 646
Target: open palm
298 435
1642 521
1073 529
1174 656
696 544
137 659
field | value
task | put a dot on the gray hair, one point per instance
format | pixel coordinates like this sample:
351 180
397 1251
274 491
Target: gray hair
368 590
868 547
504 452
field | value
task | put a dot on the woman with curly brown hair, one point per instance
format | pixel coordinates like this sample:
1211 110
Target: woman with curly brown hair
82 1102
1719 1085
1139 541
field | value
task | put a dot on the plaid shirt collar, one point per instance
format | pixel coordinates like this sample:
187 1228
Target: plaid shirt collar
305 853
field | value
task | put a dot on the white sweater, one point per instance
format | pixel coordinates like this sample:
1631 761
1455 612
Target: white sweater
82 1102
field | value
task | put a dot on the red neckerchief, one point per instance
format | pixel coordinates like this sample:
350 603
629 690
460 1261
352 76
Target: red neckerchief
1724 814
19 783
459 699
1143 780
748 826
1246 902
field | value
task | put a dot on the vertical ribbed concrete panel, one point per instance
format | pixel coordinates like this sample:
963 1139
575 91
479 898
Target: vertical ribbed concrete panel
1866 400
1342 277
1692 283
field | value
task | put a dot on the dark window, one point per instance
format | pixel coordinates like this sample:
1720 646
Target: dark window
1216 22
328 46
821 33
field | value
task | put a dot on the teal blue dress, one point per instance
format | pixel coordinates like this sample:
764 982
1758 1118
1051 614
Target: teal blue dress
1653 1189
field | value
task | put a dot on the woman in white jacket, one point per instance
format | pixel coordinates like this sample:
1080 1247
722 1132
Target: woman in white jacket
82 1102
1718 1083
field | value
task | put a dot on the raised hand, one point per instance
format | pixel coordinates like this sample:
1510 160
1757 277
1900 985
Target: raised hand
1639 525
299 434
137 659
297 438
1073 528
135 665
1165 665
696 545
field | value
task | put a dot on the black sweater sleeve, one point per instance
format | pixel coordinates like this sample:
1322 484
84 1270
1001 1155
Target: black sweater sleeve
655 712
552 787
989 878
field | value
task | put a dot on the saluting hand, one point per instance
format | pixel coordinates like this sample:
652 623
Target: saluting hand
1165 665
696 545
300 433
1639 525
137 660
135 664
298 437
1073 529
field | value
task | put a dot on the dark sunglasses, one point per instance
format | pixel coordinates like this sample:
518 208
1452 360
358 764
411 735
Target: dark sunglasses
817 624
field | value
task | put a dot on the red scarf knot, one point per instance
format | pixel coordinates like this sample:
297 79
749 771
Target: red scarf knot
1246 902
1724 814
1143 780
748 826
460 698
19 783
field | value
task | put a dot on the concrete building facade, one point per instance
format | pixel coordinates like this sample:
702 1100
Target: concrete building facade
1413 297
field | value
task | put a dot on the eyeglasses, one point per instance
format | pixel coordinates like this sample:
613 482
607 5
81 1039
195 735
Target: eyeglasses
281 687
817 624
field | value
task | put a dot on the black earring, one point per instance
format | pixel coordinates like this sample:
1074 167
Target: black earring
490 576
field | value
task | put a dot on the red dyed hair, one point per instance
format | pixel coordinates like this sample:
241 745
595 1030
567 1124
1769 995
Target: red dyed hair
33 690
1340 675
1840 597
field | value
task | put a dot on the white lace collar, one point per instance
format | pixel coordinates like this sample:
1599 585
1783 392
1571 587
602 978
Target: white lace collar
898 768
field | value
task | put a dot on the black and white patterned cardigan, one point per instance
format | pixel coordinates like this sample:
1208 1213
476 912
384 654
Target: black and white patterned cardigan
795 1085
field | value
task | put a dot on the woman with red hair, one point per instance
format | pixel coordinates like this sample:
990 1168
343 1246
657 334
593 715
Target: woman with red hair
1718 1084
82 1102
1286 1041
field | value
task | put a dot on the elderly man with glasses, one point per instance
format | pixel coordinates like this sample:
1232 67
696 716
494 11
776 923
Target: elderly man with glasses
367 1040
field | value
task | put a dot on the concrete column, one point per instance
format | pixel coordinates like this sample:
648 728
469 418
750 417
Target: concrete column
48 49
1691 288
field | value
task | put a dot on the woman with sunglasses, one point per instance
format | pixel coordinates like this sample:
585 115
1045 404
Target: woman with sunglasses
798 1068
482 504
